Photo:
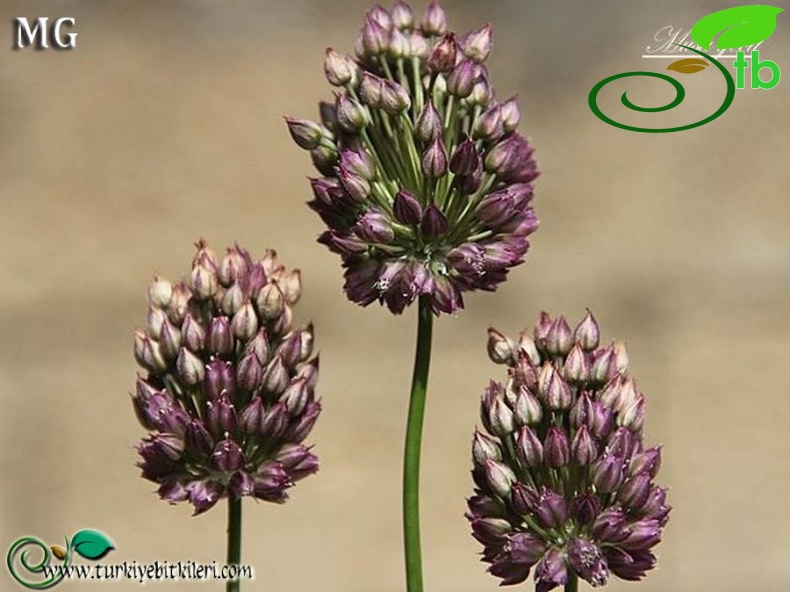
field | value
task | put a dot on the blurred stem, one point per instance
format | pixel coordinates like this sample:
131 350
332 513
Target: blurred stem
411 457
234 539
573 582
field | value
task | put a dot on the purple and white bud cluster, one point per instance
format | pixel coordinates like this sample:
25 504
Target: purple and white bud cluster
229 383
563 482
426 184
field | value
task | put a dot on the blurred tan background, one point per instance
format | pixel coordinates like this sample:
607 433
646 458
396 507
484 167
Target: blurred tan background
164 125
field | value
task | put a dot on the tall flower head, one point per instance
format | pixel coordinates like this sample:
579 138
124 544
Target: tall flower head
228 384
564 483
425 183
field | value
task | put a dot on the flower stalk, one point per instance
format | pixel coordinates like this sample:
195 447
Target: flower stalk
234 539
411 456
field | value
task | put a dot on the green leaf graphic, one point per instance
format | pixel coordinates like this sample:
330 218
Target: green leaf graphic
92 544
739 26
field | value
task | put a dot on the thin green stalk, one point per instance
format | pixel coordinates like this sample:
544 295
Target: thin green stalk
234 539
573 582
411 457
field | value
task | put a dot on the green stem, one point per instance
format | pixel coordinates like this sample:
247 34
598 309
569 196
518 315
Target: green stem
234 539
573 582
411 459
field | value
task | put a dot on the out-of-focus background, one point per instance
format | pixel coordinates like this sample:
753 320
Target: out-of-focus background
164 125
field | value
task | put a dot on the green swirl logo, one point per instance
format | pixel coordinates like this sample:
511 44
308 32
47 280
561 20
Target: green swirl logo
735 28
90 544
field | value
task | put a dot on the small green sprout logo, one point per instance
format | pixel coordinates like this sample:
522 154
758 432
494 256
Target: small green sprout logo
89 544
732 28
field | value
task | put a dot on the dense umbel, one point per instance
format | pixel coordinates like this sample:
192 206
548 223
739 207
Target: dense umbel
563 481
426 184
229 389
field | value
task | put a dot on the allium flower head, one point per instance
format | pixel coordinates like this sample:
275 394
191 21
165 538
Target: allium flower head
229 384
563 481
426 185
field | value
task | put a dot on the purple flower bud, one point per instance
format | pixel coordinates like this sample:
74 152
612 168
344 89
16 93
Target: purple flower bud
601 421
274 421
477 44
587 332
394 98
648 461
241 484
529 448
633 416
551 571
356 186
270 482
500 418
525 499
583 447
198 440
490 531
221 416
602 365
301 429
558 395
528 409
406 208
219 378
429 124
630 566
340 70
586 559
434 159
402 15
607 473
351 114
375 37
585 508
577 367
307 134
552 511
500 347
370 90
434 222
190 367
495 209
232 300
634 492
358 163
489 125
621 443
465 161
169 340
227 456
500 478
249 372
644 534
559 339
655 507
258 345
159 293
156 317
442 58
245 322
220 339
525 548
511 115
556 448
307 466
462 78
203 495
251 417
418 45
484 448
296 396
275 378
434 21
270 301
374 227
193 334
621 357
148 353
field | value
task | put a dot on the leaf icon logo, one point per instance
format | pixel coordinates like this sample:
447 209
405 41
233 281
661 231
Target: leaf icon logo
688 66
92 544
737 27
